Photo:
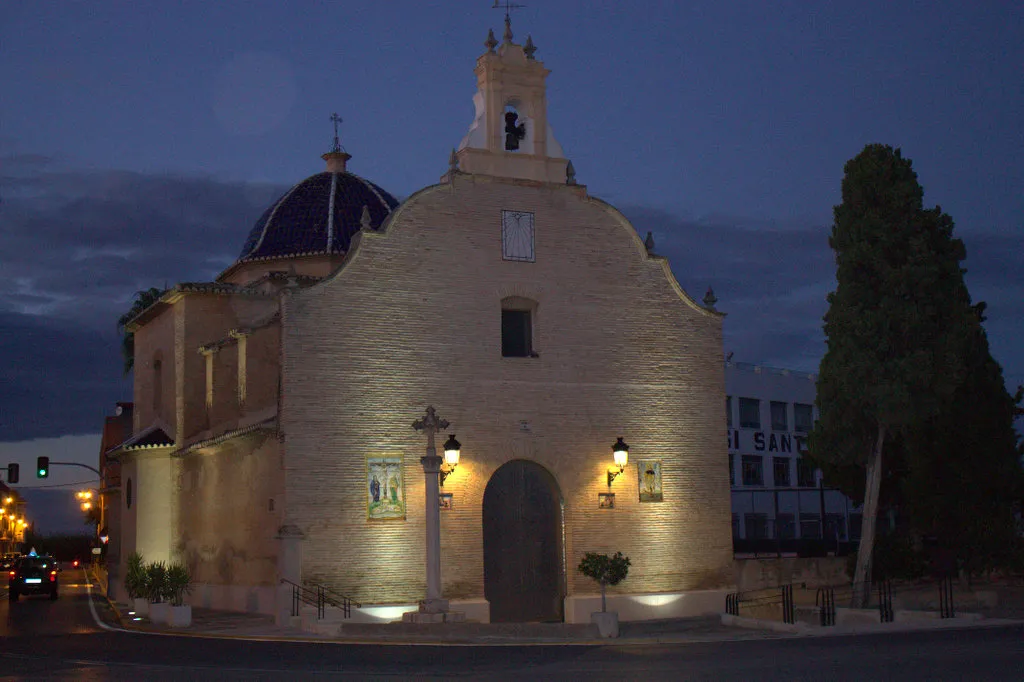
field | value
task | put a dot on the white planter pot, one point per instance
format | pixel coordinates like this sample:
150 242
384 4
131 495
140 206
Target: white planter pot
159 612
180 617
141 606
607 623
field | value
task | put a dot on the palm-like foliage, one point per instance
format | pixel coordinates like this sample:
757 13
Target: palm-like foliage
143 299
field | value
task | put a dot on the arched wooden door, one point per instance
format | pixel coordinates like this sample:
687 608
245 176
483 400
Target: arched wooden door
522 517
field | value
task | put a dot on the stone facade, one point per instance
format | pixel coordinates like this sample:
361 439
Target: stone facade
622 351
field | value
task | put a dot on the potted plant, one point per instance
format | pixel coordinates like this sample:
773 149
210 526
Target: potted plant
135 579
159 608
179 583
606 570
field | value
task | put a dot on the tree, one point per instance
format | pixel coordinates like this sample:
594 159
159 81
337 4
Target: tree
606 570
968 453
894 326
143 299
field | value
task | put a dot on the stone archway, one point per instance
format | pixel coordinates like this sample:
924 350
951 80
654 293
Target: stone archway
522 517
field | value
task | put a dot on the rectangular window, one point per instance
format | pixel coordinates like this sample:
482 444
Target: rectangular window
732 471
785 526
779 420
728 411
810 526
735 526
780 469
750 413
517 236
756 526
516 334
752 472
803 417
805 477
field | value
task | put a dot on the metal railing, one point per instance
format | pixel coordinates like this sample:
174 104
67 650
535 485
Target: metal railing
321 597
768 598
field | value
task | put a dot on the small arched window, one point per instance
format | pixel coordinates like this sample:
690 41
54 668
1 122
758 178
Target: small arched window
158 381
128 493
515 128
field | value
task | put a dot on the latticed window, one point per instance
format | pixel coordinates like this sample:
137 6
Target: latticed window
803 417
779 420
753 474
756 526
517 236
780 471
750 413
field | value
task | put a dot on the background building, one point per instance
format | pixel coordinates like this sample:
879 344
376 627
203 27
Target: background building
780 505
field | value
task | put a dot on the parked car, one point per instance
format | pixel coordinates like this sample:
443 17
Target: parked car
33 575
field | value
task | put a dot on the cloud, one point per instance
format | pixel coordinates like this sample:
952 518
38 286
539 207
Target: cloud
75 246
772 279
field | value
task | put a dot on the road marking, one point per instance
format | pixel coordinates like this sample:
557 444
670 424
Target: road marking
96 616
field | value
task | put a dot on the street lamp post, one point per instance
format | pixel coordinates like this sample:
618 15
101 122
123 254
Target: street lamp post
433 609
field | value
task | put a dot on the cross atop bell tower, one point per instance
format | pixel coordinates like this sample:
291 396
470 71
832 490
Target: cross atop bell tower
510 136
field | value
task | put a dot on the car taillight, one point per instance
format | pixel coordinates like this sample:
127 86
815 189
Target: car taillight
13 574
53 576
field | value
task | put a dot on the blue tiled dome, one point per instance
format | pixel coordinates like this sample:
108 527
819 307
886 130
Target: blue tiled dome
319 215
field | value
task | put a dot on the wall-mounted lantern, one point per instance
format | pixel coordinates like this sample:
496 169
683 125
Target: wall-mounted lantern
451 457
620 452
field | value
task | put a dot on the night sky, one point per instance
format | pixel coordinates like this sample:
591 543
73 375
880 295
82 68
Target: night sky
139 142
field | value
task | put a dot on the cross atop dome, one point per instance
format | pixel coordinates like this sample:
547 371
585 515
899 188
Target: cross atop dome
337 158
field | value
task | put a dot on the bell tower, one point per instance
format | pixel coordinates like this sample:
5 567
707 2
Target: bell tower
510 136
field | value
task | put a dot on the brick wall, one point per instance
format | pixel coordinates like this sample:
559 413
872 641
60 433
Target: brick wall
413 318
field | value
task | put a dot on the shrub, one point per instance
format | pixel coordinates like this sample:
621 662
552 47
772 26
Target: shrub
156 583
179 583
135 577
606 570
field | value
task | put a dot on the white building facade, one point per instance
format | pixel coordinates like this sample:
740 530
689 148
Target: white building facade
780 504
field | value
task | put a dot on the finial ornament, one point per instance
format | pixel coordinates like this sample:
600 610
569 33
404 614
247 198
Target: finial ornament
507 37
570 174
491 41
337 144
529 48
709 299
364 219
649 243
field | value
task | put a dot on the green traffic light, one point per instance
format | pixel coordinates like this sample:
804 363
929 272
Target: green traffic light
42 473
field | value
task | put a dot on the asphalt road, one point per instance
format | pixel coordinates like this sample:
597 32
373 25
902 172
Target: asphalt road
61 640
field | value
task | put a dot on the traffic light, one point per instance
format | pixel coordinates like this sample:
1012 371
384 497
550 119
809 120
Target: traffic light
42 467
12 472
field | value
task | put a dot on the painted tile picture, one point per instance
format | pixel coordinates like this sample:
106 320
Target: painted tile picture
606 500
649 471
385 488
445 501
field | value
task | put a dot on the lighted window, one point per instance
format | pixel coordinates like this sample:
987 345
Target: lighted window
752 470
780 470
803 417
779 420
750 413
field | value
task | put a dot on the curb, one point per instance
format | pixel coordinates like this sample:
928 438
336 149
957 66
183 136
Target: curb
113 607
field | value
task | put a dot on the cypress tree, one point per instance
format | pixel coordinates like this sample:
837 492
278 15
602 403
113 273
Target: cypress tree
895 325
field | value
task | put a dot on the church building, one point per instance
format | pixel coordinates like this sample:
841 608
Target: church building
273 424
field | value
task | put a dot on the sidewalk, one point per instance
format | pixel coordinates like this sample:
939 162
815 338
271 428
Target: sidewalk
212 623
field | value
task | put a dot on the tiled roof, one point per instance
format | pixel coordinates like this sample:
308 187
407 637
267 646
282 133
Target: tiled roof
149 438
318 215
